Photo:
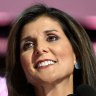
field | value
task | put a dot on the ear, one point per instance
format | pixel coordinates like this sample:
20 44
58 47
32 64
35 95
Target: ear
75 61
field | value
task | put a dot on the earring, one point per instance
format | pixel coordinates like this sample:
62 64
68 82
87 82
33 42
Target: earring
77 66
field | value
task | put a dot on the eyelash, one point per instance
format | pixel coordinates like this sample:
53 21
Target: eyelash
28 45
52 38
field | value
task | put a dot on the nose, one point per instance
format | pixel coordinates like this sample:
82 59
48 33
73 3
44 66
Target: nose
41 48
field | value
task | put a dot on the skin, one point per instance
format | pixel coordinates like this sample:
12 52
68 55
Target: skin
42 40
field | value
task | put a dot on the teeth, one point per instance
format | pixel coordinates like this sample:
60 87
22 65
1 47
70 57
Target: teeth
45 63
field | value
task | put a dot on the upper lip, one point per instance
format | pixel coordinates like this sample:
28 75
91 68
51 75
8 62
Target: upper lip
39 61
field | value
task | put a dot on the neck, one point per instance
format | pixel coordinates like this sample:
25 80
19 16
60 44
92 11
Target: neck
62 88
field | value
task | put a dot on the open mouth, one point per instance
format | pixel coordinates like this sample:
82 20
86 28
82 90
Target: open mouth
45 63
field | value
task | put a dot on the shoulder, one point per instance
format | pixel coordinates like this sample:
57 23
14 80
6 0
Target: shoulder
3 87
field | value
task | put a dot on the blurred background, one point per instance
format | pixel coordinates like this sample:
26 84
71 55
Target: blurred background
82 10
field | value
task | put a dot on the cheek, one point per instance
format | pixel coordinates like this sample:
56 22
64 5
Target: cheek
27 66
26 61
65 56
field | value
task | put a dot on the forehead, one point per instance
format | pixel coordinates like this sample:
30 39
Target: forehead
41 24
43 20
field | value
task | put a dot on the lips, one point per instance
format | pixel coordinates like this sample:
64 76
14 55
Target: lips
44 63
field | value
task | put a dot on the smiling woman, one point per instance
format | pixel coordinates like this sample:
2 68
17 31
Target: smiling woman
44 46
43 56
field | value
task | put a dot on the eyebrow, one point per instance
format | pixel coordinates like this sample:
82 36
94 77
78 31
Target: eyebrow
32 39
49 31
27 38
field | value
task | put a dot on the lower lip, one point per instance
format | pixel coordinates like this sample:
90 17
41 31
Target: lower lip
45 67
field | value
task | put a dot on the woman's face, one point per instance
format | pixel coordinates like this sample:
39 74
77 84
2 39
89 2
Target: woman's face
45 52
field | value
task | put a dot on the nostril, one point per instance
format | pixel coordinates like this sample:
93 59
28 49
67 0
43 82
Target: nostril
44 51
37 52
41 51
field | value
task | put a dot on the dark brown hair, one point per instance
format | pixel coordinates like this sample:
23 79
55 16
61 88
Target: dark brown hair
16 80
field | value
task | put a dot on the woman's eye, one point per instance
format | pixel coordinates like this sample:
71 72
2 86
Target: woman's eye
52 38
27 45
